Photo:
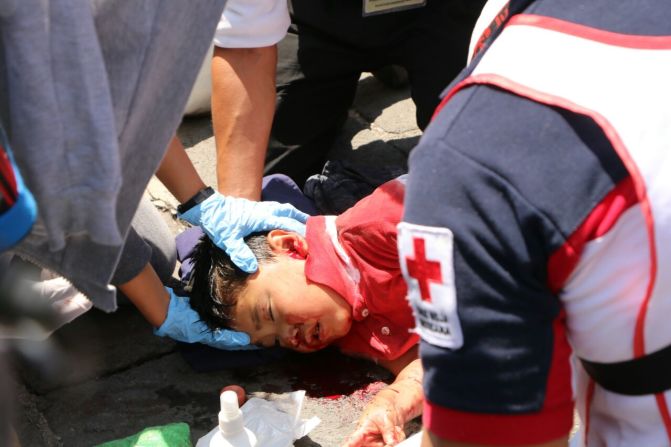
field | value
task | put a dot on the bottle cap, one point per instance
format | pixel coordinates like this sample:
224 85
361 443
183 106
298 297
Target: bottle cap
230 416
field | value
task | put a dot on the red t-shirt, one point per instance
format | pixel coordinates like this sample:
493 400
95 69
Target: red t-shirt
362 265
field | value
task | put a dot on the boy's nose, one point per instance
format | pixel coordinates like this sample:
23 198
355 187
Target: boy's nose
292 338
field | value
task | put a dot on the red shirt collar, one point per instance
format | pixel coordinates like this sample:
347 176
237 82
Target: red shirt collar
328 264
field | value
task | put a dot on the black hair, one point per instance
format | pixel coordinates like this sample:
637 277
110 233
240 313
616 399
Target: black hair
216 282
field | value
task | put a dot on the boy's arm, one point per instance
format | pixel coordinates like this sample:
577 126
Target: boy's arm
397 366
384 417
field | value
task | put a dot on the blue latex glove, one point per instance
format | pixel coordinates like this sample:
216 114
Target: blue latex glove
227 220
183 324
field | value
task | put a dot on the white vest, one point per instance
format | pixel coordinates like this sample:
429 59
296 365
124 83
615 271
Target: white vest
618 298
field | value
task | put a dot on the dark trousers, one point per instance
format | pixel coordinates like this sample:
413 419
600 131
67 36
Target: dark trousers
328 47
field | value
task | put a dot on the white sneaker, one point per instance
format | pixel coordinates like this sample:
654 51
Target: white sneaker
67 302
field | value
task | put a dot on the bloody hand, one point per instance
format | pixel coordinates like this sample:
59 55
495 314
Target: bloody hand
380 425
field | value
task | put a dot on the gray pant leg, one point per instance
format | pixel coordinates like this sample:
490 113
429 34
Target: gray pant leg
149 240
96 86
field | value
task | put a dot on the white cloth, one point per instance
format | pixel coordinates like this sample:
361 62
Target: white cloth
626 272
252 23
200 98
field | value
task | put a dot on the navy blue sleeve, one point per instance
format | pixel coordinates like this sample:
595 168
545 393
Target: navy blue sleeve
511 180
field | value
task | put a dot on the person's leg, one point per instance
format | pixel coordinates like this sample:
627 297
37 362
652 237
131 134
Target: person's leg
320 62
316 82
149 241
280 188
435 50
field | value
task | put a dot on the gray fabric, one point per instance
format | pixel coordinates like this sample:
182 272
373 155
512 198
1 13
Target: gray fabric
60 118
91 92
149 240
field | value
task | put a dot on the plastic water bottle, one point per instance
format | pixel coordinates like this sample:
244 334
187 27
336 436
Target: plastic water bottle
231 431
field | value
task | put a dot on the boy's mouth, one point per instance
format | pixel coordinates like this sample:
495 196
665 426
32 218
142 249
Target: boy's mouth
316 338
310 337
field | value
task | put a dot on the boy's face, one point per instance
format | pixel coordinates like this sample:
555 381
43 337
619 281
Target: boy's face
280 306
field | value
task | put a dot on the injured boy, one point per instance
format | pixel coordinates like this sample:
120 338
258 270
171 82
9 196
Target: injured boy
339 285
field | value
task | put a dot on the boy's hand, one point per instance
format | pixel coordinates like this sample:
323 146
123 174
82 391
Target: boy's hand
183 324
227 220
380 425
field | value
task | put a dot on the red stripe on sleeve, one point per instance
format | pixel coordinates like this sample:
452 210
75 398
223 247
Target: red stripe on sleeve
590 33
602 218
498 429
552 422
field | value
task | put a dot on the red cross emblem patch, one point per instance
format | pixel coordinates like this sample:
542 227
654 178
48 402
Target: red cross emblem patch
425 255
423 270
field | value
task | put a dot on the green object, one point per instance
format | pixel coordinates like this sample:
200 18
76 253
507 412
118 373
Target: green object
171 435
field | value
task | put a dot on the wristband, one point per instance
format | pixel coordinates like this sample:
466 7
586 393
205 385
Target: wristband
195 200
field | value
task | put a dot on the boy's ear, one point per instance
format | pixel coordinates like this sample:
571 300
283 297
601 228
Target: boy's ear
285 242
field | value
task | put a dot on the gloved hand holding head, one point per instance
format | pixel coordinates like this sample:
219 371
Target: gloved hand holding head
183 324
227 220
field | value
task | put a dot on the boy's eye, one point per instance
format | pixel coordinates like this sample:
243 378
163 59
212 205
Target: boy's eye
270 310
